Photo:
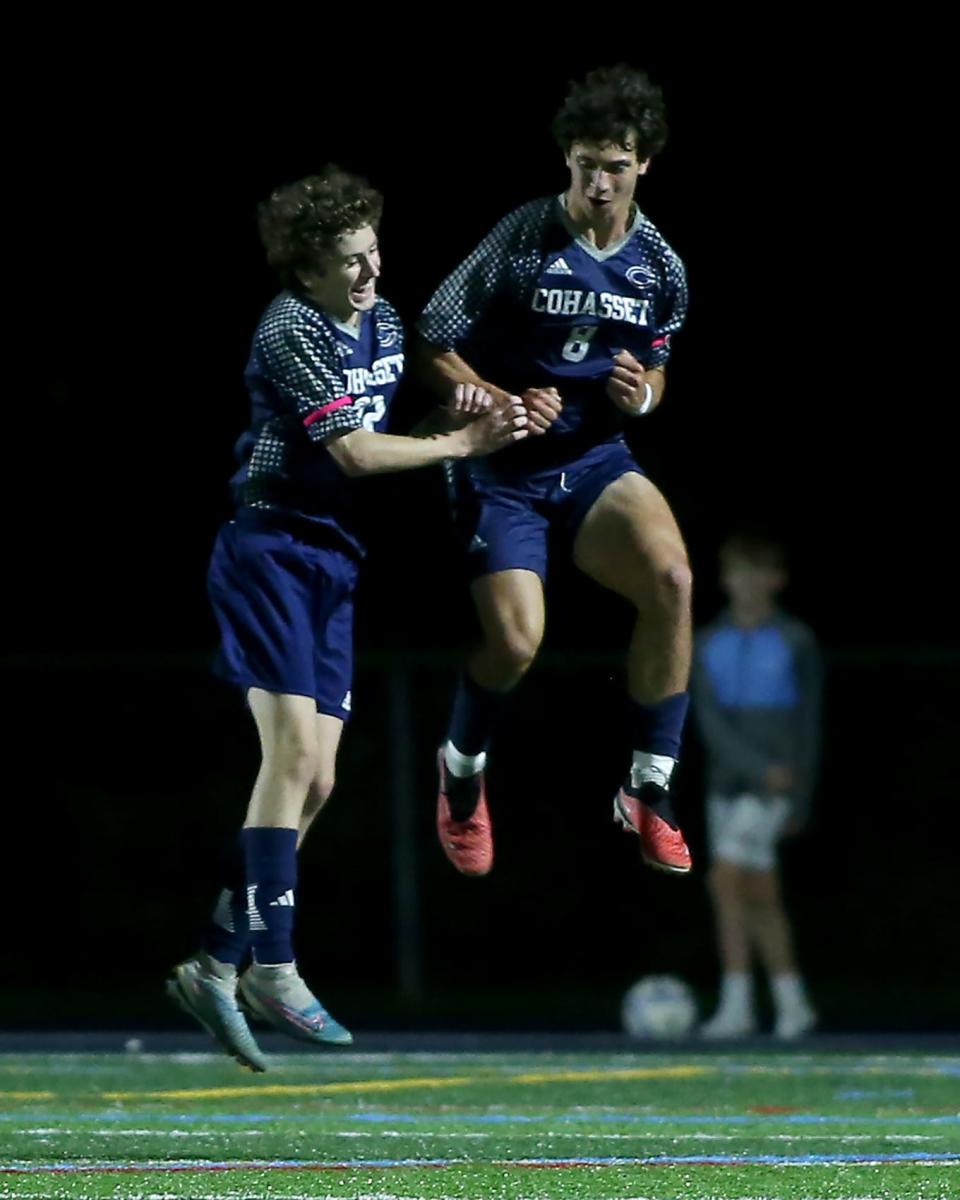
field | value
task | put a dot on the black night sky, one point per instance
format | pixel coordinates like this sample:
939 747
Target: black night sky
802 185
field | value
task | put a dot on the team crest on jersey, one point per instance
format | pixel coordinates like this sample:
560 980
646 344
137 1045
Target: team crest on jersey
558 267
642 277
387 335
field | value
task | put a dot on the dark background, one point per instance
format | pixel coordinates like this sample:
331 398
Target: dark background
802 186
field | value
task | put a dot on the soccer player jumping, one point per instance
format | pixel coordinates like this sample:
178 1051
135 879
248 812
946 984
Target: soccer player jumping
326 360
569 304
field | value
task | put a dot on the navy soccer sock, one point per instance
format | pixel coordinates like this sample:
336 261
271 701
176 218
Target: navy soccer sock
474 714
271 871
227 936
658 728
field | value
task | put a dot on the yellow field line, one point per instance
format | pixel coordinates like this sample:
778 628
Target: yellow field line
28 1095
680 1072
397 1085
293 1089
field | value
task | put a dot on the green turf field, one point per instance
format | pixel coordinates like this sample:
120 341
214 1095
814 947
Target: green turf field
489 1126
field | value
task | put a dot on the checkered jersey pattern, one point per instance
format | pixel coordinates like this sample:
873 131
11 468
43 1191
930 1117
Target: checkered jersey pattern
298 383
501 269
504 268
672 296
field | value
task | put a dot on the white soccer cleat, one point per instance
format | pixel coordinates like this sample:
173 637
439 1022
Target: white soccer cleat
207 990
276 994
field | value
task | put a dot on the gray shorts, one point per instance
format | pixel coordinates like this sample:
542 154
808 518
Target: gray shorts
744 830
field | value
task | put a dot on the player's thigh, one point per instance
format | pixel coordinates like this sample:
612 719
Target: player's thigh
329 731
510 606
287 725
629 541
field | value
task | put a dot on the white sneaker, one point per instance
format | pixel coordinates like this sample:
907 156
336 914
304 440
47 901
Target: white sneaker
794 1022
728 1024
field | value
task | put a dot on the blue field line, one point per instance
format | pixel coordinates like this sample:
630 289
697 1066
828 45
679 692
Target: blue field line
886 1094
659 1160
408 1118
613 1118
723 1160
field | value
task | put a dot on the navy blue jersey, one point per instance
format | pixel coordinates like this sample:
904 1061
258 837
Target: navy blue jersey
537 305
310 376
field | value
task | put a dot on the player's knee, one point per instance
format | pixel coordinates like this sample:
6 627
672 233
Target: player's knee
516 648
320 789
664 587
294 757
675 585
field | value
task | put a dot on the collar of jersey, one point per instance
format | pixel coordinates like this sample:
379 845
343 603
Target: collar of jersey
589 247
353 331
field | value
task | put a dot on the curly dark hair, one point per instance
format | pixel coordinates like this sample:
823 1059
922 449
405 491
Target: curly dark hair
300 222
613 104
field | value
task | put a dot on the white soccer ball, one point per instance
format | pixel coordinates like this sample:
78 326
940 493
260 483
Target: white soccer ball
659 1006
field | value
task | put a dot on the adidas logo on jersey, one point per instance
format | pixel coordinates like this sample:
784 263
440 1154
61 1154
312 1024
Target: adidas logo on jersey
346 702
558 267
284 901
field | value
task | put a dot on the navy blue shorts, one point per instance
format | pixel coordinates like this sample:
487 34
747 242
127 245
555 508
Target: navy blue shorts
504 523
285 611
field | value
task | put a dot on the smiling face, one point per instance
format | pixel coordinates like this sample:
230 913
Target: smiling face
347 284
603 176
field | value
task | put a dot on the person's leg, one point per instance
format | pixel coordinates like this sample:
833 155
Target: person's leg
300 744
227 936
725 882
770 933
629 543
206 986
734 1016
276 600
505 543
511 611
329 730
769 930
510 608
295 780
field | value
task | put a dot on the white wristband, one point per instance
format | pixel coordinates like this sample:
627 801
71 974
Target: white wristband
647 400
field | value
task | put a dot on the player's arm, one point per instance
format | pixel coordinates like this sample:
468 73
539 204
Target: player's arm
471 293
635 389
444 371
361 451
304 371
